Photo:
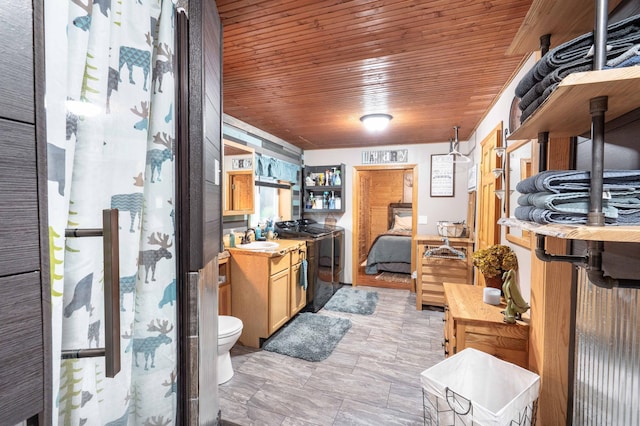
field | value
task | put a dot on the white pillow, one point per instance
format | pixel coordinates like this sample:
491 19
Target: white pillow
402 223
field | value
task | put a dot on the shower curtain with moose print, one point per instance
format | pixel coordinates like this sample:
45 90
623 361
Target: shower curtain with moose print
110 128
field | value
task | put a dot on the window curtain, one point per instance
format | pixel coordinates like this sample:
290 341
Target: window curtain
110 129
270 167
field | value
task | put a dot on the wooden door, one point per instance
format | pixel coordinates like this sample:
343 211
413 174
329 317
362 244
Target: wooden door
364 224
278 299
489 205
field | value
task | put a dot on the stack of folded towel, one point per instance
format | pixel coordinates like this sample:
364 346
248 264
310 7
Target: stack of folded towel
562 196
623 50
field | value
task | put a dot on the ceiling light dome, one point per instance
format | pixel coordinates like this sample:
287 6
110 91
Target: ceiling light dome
375 122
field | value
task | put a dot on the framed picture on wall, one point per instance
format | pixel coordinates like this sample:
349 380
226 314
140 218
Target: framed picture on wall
442 175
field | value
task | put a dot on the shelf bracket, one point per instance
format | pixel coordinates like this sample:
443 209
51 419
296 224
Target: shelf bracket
591 261
541 253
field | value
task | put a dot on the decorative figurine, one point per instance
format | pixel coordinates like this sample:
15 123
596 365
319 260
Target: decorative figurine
516 305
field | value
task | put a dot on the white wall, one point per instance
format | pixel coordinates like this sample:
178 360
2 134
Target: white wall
500 112
435 209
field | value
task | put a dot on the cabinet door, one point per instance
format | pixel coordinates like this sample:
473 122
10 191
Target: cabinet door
298 294
224 299
278 300
241 191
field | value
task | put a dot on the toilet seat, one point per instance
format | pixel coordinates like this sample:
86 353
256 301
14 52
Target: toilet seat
228 325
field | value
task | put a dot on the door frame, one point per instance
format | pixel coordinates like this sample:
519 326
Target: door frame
356 210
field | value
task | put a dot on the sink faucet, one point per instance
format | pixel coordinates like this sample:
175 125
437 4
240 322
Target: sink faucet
245 239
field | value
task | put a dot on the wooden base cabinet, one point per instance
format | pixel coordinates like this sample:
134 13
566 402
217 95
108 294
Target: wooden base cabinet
471 323
279 285
439 268
224 284
266 290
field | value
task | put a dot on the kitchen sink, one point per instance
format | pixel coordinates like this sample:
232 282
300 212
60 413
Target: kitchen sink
259 245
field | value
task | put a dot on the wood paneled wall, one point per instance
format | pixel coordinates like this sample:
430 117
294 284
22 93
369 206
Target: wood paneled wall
386 186
551 292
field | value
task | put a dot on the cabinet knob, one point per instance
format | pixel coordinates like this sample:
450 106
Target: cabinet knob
446 353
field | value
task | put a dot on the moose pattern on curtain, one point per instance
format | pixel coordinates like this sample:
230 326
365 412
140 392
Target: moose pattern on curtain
111 136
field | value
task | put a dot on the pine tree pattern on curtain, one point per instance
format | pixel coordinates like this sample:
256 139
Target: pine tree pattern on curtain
118 58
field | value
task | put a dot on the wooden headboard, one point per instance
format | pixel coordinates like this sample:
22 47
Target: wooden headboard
401 209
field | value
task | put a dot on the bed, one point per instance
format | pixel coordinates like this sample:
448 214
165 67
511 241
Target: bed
391 251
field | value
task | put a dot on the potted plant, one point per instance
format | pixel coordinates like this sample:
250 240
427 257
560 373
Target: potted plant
493 262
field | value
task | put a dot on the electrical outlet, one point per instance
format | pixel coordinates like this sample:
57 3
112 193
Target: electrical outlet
422 220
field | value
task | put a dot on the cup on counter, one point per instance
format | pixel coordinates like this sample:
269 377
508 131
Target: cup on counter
491 296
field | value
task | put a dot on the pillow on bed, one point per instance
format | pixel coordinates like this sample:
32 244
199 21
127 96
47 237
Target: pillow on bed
402 223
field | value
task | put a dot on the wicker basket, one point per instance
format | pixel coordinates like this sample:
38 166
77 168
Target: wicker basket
451 229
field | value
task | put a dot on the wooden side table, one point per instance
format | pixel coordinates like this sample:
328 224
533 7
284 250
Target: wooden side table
471 323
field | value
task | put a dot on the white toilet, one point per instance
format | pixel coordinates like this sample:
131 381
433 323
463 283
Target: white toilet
229 331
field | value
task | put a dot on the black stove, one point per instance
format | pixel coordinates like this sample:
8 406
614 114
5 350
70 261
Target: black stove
325 252
302 228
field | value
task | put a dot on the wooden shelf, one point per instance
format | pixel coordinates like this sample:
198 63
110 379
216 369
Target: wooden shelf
566 111
563 20
324 188
626 234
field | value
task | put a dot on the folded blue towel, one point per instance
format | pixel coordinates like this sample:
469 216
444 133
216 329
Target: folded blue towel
621 36
629 217
579 180
566 202
524 213
303 274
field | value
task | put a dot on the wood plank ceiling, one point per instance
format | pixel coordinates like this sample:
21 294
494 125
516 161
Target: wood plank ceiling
306 71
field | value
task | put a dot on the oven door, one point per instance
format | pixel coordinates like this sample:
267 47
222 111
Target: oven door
338 258
321 270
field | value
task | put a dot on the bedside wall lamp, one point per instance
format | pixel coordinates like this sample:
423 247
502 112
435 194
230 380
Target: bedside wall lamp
376 122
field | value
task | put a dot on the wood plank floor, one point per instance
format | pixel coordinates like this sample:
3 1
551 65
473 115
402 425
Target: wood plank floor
371 378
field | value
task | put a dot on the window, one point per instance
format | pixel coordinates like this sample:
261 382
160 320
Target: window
272 201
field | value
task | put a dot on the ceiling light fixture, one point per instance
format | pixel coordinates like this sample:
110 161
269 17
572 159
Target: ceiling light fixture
375 122
458 157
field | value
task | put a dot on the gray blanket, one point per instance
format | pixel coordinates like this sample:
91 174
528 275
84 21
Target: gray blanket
388 248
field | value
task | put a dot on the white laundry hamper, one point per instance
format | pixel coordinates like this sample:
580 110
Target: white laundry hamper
475 388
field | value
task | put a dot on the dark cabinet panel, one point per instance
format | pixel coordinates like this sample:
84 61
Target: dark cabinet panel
21 351
16 66
203 207
19 237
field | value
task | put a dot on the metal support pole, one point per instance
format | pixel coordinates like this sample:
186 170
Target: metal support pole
545 43
600 35
543 143
598 106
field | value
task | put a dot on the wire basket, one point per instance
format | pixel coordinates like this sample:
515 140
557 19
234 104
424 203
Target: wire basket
451 229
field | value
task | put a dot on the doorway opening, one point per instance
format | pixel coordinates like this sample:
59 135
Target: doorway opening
384 224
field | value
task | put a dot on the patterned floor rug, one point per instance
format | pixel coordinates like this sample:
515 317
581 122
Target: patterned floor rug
353 301
308 336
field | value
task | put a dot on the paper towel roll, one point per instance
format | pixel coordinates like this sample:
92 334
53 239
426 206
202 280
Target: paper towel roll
491 295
